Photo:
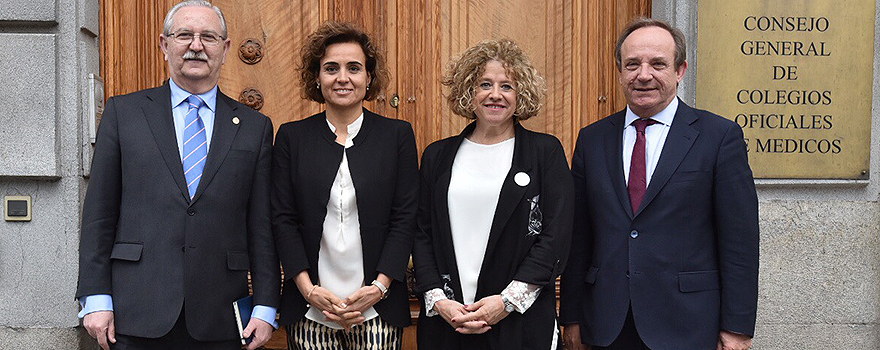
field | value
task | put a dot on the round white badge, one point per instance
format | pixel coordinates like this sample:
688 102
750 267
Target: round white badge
522 179
235 120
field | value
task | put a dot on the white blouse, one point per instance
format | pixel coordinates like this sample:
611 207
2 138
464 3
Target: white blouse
341 256
478 172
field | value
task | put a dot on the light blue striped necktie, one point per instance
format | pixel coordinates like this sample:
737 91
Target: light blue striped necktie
195 145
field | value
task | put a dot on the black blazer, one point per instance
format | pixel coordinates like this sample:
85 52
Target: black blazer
384 170
687 260
512 253
151 247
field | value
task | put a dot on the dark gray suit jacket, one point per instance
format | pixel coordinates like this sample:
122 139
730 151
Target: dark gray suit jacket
687 259
156 251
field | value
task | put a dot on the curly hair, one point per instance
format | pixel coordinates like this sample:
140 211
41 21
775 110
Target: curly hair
464 72
331 33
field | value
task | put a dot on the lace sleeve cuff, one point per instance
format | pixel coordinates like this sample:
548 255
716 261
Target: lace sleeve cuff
521 294
432 296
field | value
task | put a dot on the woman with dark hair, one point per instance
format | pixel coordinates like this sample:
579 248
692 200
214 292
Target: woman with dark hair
495 212
345 188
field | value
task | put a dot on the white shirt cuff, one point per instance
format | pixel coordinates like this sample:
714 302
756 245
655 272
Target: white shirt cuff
265 313
522 295
431 297
94 303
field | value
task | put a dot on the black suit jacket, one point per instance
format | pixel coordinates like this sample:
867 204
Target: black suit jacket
512 253
687 260
384 171
155 250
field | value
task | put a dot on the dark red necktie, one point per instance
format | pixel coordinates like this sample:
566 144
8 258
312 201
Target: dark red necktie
637 175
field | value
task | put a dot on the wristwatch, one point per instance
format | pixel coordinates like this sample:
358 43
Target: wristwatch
381 287
508 305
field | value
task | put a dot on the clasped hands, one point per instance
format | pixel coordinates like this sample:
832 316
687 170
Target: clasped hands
476 318
347 312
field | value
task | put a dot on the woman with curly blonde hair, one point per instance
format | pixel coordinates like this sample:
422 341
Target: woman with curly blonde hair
345 188
495 212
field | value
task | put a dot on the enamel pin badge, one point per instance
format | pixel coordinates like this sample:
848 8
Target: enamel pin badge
522 179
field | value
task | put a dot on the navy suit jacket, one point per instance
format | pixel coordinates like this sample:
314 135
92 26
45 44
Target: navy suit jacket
150 246
687 259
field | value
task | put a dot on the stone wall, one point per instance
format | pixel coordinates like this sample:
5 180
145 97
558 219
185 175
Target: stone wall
47 50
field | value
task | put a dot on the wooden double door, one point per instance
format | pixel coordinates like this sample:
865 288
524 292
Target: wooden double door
571 42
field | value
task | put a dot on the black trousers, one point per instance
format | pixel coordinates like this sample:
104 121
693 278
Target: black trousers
176 339
628 339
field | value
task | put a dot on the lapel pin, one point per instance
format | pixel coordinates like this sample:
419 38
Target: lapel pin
522 179
235 120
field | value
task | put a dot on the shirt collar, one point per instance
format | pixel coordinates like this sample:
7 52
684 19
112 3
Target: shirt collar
664 117
353 129
178 95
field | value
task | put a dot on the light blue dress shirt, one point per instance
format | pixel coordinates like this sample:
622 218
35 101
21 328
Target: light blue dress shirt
104 302
179 109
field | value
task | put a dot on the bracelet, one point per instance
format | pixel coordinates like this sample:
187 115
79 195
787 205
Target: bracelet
309 296
381 287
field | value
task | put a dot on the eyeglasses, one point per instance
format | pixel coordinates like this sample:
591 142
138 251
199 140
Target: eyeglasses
186 38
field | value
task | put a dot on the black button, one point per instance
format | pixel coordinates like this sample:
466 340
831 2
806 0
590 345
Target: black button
627 273
632 234
183 249
192 212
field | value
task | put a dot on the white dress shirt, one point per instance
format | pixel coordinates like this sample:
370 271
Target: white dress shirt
655 138
341 255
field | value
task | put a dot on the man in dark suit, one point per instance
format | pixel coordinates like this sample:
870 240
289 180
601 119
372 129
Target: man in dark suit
177 209
665 242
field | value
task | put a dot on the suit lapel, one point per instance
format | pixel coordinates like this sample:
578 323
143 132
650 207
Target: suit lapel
614 160
224 133
511 196
158 114
678 142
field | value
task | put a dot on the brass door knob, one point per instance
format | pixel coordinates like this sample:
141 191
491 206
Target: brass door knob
395 101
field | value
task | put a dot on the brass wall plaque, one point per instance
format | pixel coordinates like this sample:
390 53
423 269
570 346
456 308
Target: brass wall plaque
797 77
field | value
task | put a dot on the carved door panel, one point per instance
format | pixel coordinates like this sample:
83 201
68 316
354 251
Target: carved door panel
267 36
571 42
